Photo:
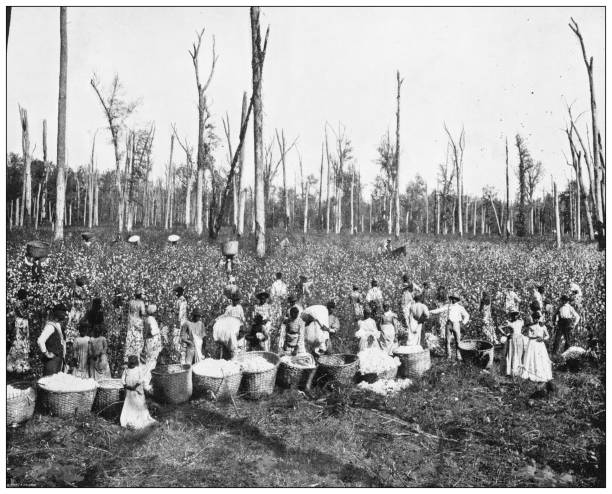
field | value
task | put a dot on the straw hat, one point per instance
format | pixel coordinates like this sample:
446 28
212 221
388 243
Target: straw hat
173 239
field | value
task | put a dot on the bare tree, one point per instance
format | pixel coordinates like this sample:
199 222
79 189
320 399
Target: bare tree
61 131
282 146
257 62
457 149
397 160
26 191
116 110
533 178
597 163
328 205
488 193
91 182
203 116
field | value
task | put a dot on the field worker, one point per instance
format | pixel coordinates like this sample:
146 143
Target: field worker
134 414
95 316
456 315
230 288
407 299
51 341
81 351
536 364
488 328
235 309
316 320
417 315
136 312
17 359
515 344
565 318
304 291
291 337
227 336
152 345
258 337
180 306
292 301
278 294
428 294
388 329
278 291
192 337
537 300
375 296
367 334
510 299
77 310
264 308
356 300
441 301
98 358
576 299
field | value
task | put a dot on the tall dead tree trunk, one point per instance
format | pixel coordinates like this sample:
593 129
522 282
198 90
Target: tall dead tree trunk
457 149
239 182
26 195
91 183
257 62
320 217
203 115
61 131
397 158
597 170
557 219
437 194
43 207
507 226
352 201
328 205
281 144
169 181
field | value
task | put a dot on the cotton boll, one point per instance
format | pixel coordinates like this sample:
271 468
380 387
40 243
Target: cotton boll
215 368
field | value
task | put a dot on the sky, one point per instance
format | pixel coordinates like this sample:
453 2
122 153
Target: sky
496 71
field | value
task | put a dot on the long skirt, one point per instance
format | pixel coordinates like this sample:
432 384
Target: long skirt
514 355
135 414
98 367
536 364
17 359
387 342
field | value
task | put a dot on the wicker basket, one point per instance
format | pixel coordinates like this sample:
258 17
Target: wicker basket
87 236
230 248
172 387
37 249
220 387
66 403
340 368
414 364
256 385
291 376
477 352
108 394
21 408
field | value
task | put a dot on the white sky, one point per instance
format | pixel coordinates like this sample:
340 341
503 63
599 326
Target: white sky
498 71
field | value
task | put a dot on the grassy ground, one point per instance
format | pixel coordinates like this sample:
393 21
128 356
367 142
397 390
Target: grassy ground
456 427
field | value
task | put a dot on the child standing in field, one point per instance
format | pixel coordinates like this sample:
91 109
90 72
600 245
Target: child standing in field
291 338
235 309
136 313
134 414
98 358
81 351
536 364
356 300
334 323
258 338
514 344
388 339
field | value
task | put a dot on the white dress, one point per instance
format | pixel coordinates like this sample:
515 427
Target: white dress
134 414
367 328
536 364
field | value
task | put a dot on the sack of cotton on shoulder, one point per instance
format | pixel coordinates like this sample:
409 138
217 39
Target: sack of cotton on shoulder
311 316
